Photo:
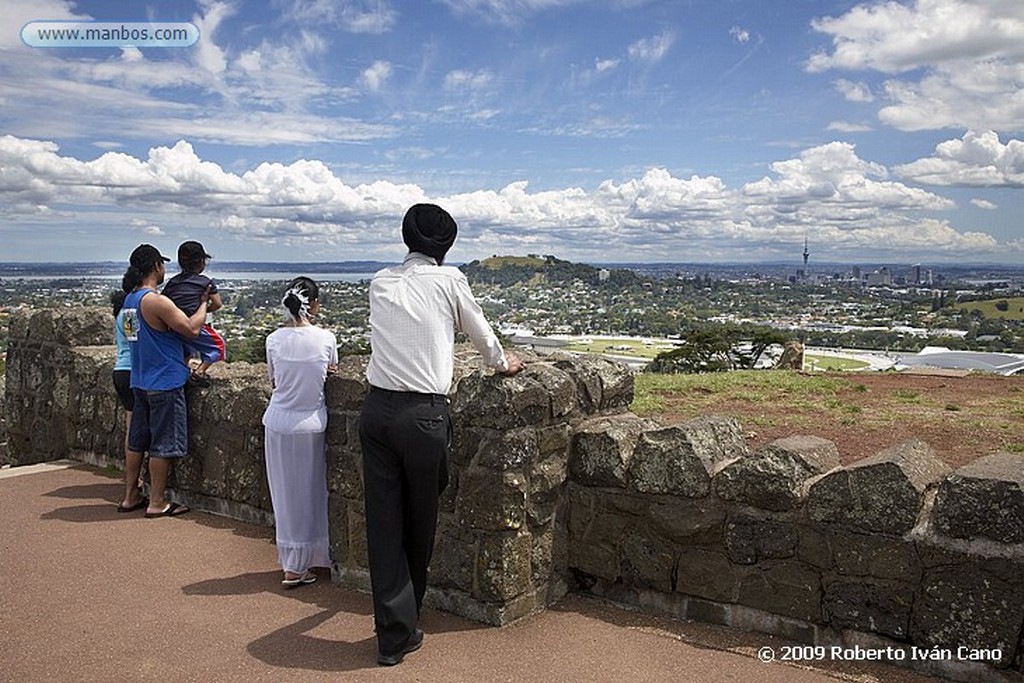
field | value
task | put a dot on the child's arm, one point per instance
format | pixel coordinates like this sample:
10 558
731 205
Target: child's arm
213 303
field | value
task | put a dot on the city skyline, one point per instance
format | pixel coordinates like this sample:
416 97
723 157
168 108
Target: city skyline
637 131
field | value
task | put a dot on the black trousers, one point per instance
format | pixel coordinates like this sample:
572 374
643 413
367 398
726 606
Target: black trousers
405 439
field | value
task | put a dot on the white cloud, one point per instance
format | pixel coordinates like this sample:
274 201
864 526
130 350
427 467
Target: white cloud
473 80
355 16
975 160
847 127
854 92
849 204
984 204
970 53
651 50
509 12
377 75
602 65
208 54
740 35
17 13
892 37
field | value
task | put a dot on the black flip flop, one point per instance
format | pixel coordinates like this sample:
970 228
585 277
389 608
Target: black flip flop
121 507
172 510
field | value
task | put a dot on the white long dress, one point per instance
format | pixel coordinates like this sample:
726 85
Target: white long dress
294 424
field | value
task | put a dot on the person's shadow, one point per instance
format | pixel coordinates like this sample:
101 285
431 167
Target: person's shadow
295 646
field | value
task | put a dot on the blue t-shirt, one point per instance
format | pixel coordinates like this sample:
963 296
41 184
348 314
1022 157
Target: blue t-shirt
158 358
124 349
186 290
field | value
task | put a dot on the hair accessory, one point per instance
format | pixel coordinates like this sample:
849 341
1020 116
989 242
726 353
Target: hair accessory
303 312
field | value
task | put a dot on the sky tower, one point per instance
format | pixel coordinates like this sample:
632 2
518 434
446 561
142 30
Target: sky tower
806 254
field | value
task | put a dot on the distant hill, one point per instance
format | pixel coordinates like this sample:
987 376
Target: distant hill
1011 308
508 270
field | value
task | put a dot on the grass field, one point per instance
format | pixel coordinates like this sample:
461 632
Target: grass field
636 347
815 362
1014 309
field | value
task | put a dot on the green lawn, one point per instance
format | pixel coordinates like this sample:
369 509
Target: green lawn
1014 309
636 347
815 362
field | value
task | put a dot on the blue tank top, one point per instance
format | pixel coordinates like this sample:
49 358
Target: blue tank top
158 358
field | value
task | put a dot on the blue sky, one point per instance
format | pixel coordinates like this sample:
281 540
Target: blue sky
626 130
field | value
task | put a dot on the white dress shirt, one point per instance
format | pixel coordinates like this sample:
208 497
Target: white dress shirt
297 360
415 309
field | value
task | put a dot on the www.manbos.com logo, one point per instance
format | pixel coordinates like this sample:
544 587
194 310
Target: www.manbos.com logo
45 33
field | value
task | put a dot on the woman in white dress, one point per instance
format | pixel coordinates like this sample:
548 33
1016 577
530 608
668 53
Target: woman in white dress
299 357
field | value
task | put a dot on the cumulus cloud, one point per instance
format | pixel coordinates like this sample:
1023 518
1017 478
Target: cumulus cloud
651 50
850 204
376 75
970 53
847 127
740 35
984 204
978 159
602 65
473 80
854 92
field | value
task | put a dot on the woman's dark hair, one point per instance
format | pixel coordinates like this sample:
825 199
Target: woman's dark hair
117 300
132 278
306 287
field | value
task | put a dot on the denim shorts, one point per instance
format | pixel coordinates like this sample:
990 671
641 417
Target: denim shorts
159 423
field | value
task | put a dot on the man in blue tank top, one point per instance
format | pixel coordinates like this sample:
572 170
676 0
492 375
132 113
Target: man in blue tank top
156 331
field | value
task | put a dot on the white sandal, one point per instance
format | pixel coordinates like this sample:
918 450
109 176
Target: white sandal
307 577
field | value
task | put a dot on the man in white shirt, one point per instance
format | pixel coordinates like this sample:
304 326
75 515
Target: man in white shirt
405 428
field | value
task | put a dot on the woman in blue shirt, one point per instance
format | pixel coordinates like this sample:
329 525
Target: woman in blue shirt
133 498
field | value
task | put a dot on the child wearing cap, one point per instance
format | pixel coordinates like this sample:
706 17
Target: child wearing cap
186 289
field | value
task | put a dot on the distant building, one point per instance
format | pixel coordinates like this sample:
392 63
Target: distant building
880 278
603 274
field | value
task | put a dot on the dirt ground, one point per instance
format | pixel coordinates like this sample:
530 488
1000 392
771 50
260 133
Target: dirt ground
961 417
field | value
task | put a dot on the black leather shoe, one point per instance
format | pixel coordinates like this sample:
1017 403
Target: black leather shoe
413 644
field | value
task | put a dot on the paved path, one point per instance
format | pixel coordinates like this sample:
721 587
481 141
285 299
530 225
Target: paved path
88 594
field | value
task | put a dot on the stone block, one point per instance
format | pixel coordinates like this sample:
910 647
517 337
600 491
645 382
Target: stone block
454 561
508 450
983 499
345 471
869 606
555 439
346 389
603 447
546 484
679 460
499 402
750 539
595 551
602 384
466 441
686 521
874 555
647 561
965 606
491 500
787 588
502 566
707 574
883 493
774 477
560 386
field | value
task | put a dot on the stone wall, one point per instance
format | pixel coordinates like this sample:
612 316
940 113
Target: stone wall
556 487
